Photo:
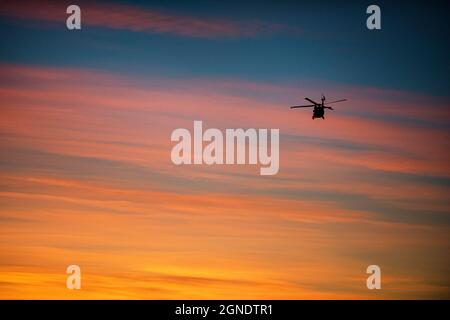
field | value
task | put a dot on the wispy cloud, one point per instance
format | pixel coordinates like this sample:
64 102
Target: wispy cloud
85 174
142 19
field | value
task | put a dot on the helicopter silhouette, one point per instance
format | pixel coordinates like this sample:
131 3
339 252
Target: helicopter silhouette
319 108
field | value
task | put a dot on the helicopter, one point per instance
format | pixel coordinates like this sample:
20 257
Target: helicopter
319 108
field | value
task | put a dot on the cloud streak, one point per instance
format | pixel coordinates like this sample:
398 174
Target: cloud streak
143 19
85 174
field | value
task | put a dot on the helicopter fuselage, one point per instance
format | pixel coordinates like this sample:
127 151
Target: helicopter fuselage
318 112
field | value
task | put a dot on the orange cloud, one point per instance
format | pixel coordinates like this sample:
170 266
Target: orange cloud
86 178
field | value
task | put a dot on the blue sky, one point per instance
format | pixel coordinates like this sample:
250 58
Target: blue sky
330 43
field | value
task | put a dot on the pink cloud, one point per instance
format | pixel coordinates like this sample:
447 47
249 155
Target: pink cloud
88 182
57 99
142 19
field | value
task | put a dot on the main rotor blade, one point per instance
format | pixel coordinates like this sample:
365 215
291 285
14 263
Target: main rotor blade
336 101
308 99
308 106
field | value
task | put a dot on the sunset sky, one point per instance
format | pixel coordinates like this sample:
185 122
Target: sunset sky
86 176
